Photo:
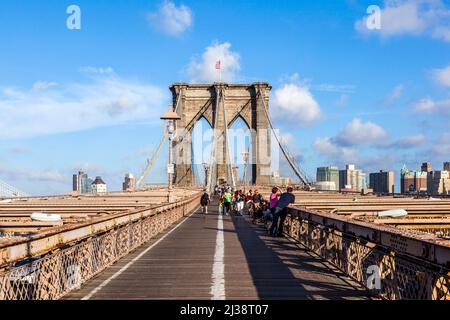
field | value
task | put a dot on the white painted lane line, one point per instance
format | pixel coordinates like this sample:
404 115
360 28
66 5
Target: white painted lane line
125 267
218 275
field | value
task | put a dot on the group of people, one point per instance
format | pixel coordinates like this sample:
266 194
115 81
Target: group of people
272 212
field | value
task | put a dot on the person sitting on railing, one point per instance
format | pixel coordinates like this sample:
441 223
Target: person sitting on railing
260 210
280 212
273 199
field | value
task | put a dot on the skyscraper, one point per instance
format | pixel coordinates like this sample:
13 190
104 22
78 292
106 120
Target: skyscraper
129 183
82 183
426 167
382 182
352 179
327 178
439 183
446 166
413 181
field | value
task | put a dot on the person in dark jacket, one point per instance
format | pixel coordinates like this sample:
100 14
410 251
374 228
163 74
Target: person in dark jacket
280 212
204 201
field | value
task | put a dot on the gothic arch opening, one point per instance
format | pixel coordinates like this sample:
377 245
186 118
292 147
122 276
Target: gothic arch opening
240 142
202 139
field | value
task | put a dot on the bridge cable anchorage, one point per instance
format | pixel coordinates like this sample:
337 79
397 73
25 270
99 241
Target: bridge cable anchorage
154 157
9 191
303 178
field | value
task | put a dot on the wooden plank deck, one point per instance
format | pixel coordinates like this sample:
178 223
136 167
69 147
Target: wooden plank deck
180 266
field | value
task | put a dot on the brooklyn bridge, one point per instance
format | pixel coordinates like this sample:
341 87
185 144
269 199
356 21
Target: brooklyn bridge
155 242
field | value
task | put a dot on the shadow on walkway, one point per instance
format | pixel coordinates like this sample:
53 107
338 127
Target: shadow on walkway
282 270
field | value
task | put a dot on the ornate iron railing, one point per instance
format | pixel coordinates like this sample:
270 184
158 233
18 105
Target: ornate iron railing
65 269
387 272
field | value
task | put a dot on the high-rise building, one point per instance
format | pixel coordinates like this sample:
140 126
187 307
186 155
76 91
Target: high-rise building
446 166
382 182
426 167
327 178
129 183
413 181
280 181
82 183
98 186
438 182
352 179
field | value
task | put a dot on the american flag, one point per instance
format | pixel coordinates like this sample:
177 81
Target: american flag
218 65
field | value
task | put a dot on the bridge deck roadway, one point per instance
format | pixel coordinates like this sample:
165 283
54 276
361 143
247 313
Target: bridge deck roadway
191 261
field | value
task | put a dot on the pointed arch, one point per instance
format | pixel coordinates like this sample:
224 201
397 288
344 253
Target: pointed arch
240 141
201 142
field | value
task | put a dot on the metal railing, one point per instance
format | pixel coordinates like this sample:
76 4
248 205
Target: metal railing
390 273
57 273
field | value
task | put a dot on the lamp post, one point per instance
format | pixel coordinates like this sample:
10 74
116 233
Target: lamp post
206 168
170 119
245 156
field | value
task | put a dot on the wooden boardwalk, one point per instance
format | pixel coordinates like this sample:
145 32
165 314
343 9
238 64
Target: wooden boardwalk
200 259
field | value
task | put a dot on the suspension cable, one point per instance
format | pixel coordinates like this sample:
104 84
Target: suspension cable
155 155
291 162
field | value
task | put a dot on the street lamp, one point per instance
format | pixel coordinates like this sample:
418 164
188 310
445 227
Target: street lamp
170 119
245 156
206 168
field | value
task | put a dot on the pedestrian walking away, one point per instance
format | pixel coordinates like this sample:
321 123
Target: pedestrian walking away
227 201
204 201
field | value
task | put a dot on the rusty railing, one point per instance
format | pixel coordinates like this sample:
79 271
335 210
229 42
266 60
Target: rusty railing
67 266
389 262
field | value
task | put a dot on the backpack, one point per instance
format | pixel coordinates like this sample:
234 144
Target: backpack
204 200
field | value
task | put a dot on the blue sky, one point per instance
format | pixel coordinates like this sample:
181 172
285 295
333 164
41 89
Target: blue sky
91 98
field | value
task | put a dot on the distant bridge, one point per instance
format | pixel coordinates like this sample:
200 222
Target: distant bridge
8 191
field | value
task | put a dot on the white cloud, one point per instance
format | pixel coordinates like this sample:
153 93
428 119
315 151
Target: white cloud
97 70
441 147
104 101
429 106
294 102
360 133
414 17
442 76
15 173
395 94
43 85
410 141
171 19
204 70
341 155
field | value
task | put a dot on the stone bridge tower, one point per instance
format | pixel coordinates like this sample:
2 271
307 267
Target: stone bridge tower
217 103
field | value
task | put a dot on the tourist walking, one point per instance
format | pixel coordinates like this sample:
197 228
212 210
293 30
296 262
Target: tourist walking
240 202
204 202
227 201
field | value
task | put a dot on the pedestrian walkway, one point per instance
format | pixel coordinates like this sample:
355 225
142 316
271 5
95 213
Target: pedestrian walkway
220 257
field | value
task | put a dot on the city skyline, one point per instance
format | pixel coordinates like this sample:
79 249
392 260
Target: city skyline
90 99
